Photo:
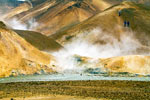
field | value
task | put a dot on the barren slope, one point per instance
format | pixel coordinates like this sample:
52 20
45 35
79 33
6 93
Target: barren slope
105 32
21 8
19 57
67 14
53 15
40 41
135 64
111 23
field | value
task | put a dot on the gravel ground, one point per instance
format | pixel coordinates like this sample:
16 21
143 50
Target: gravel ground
115 90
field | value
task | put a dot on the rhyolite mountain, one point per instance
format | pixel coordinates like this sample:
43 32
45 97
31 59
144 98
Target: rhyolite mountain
110 22
53 15
18 57
56 15
99 22
107 27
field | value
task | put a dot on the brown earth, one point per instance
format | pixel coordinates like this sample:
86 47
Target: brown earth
39 40
21 8
110 90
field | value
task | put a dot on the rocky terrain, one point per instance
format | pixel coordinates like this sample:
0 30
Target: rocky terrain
76 90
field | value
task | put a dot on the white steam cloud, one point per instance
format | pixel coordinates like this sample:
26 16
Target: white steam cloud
84 45
16 24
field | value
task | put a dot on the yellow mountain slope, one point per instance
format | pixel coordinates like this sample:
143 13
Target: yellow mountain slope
19 57
136 64
111 23
53 15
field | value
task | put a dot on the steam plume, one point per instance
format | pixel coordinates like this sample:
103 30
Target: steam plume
83 46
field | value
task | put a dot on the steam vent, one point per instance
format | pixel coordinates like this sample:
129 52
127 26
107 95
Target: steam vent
74 50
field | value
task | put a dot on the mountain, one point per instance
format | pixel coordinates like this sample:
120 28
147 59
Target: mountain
57 15
18 57
53 15
102 41
111 23
7 5
94 30
17 10
39 41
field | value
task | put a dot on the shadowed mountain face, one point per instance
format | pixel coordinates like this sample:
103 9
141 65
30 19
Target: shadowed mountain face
40 41
18 57
37 2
